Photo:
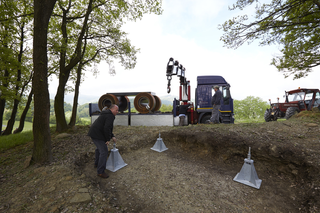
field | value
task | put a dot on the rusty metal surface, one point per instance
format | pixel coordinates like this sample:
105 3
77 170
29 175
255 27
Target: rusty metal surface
144 102
107 99
158 103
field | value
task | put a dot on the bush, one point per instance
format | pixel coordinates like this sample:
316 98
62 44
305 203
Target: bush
52 119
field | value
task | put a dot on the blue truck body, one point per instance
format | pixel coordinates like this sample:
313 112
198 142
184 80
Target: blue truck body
204 93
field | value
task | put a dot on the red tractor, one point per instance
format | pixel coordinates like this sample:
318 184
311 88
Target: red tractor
295 101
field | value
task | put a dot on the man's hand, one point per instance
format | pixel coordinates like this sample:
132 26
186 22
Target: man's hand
114 139
107 143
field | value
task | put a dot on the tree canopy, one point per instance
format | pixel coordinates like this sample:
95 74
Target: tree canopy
85 32
293 24
250 108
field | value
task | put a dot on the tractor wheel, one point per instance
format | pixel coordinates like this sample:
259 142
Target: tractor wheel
267 115
291 111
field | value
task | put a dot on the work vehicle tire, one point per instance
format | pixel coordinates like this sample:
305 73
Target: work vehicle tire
205 119
142 100
267 115
107 99
291 111
158 103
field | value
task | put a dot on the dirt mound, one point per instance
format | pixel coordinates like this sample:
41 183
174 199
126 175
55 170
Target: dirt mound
194 175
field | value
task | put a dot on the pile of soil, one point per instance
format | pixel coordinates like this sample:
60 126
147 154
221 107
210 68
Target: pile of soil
195 174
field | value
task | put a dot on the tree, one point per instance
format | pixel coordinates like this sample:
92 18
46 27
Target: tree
24 113
7 57
96 23
16 56
41 131
250 108
293 24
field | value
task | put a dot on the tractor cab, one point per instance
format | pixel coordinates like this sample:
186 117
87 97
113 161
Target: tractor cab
297 100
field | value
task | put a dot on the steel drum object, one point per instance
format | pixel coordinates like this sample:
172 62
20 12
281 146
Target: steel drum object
248 174
107 100
115 161
144 102
123 103
158 103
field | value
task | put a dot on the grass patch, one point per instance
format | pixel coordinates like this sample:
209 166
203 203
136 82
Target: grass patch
239 121
260 120
13 140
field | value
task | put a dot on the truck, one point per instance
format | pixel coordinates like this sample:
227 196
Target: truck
148 104
200 111
297 100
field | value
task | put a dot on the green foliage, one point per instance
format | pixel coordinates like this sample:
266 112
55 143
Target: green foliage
166 108
92 30
83 110
10 141
250 108
294 24
52 119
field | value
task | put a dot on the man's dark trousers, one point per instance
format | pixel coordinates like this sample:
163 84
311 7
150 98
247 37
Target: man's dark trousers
101 155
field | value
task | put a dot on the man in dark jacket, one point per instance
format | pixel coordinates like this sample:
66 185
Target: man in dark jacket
215 101
101 132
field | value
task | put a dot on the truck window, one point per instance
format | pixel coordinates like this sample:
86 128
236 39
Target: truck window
225 95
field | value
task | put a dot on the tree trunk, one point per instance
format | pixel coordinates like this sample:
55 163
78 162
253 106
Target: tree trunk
24 113
2 106
66 69
41 130
61 123
76 96
12 119
3 100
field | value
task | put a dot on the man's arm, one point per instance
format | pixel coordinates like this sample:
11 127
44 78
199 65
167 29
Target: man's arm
108 126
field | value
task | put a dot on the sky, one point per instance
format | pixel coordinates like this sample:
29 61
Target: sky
188 31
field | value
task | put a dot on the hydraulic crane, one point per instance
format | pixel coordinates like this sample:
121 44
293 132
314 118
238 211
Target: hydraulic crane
174 68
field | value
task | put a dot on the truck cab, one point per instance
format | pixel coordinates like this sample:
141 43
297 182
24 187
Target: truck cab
204 93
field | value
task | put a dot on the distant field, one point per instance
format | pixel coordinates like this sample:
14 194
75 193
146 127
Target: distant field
27 125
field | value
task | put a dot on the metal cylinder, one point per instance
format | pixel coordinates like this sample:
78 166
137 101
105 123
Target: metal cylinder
107 100
144 102
158 103
123 103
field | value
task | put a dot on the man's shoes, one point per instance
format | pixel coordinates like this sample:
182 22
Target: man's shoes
103 175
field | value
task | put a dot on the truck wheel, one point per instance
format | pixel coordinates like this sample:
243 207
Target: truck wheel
267 115
205 119
291 111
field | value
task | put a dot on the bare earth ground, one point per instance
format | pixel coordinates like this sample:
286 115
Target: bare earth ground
195 174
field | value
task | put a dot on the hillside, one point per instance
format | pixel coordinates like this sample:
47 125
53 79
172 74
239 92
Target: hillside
195 174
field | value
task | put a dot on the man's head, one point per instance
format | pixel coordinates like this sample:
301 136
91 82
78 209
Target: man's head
114 109
216 87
